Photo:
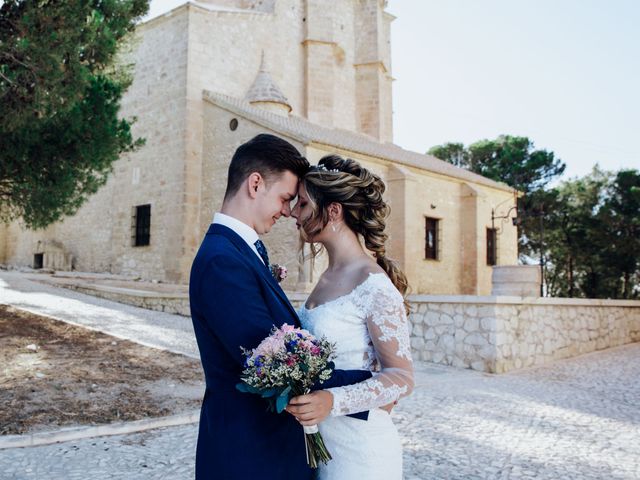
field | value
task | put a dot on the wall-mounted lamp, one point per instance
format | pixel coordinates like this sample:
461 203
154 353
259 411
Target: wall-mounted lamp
514 220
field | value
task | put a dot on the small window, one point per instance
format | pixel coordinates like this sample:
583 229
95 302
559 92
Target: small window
492 238
38 260
431 239
233 124
141 225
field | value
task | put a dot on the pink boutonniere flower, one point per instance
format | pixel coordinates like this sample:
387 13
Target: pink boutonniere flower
279 272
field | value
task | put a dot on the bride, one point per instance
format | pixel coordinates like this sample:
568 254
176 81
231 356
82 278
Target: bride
358 305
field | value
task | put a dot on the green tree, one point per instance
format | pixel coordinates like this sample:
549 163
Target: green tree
516 162
593 236
571 243
454 153
619 221
60 87
508 159
587 229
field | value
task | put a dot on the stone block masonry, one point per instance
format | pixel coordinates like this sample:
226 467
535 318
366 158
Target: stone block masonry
499 334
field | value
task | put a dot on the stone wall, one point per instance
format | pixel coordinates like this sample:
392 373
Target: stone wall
176 304
310 53
499 334
155 174
372 61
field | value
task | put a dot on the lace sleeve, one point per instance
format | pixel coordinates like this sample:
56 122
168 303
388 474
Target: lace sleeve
388 328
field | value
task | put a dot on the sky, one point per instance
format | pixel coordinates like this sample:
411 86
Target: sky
565 73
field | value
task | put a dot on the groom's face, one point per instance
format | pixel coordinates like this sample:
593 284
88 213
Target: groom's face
274 200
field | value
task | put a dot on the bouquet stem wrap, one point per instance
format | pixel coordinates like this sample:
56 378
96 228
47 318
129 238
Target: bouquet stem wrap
286 364
316 449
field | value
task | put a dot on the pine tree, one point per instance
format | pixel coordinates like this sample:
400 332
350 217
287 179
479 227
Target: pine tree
60 88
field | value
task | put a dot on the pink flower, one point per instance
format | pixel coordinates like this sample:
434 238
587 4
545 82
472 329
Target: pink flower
291 361
269 346
282 272
279 272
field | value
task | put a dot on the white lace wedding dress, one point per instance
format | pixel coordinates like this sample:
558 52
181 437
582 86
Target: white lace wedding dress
370 329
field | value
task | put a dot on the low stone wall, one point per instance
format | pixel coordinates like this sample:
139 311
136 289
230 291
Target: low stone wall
178 304
498 334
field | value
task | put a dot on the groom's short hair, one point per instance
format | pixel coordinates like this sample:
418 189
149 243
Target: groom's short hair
266 154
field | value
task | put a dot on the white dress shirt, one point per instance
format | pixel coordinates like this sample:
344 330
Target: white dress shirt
247 233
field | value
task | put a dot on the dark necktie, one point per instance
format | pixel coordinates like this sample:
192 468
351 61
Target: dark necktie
262 250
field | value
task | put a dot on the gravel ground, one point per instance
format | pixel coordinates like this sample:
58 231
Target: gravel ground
54 374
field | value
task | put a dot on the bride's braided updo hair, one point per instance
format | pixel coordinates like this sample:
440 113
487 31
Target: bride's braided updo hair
345 181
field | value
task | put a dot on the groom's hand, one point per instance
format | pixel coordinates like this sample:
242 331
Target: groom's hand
311 409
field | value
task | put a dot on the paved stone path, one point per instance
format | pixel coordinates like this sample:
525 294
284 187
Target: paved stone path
576 419
164 330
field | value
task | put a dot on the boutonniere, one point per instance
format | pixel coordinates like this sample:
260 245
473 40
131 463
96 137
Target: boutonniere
279 272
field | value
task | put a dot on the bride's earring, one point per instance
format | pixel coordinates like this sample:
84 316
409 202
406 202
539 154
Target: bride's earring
333 227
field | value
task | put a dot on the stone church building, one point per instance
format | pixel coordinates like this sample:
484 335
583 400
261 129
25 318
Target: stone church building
208 76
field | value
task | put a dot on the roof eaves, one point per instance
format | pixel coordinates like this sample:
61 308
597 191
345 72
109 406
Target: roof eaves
270 123
308 133
221 9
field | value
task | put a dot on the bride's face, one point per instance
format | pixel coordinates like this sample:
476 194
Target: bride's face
303 211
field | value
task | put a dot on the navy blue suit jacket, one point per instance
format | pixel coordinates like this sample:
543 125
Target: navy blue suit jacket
235 302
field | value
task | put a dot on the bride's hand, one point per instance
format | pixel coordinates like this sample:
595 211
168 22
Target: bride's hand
312 408
389 407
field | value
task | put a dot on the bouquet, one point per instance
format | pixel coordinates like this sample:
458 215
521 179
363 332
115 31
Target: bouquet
286 364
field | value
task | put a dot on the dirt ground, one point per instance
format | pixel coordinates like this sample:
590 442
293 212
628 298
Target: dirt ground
53 374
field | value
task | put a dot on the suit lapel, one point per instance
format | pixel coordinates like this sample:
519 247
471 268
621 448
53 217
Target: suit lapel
255 262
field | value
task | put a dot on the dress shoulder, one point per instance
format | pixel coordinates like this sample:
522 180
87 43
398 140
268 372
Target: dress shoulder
377 291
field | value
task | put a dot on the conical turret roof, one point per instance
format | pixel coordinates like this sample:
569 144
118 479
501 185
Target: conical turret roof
265 90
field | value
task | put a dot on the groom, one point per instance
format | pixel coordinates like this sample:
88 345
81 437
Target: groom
235 302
